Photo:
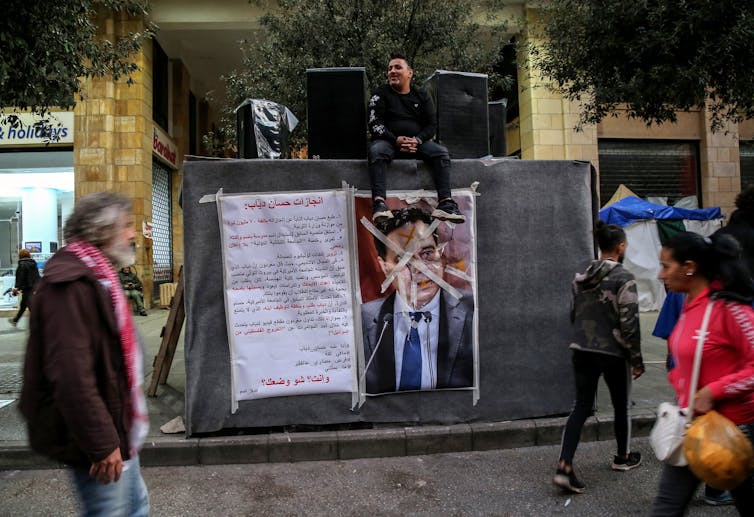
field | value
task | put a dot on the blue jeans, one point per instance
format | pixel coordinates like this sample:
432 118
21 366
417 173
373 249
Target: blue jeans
127 497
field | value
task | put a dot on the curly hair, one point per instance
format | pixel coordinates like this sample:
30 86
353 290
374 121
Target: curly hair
745 198
96 218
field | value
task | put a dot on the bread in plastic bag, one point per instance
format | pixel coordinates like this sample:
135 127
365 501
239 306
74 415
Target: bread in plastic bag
717 451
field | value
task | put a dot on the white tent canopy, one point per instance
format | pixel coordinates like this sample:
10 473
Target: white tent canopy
639 219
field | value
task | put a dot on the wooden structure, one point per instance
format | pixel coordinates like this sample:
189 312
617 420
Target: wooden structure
170 333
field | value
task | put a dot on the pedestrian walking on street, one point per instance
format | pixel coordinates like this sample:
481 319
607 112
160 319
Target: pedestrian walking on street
82 396
27 275
666 320
710 270
606 342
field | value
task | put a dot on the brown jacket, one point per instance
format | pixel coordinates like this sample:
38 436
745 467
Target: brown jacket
75 396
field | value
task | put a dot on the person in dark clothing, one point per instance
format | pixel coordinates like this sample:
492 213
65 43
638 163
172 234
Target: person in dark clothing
606 342
27 275
133 288
402 122
741 226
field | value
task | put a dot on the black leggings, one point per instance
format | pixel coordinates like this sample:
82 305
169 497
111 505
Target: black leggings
587 368
23 304
382 152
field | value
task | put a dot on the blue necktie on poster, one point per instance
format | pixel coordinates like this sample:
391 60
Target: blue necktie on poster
411 370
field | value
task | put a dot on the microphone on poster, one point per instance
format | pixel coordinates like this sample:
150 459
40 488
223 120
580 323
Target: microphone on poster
387 319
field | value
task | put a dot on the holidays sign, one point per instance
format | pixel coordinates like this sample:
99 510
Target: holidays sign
58 129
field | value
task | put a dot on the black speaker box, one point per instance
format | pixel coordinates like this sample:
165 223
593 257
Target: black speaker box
461 103
336 111
497 117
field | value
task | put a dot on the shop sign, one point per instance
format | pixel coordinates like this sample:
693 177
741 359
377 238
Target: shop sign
58 131
164 148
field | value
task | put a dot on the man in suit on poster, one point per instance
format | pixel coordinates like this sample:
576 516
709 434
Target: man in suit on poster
421 336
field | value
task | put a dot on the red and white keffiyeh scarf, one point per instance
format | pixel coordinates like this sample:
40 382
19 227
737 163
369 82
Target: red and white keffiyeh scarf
103 269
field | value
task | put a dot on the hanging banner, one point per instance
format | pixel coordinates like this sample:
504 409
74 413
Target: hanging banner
418 282
288 294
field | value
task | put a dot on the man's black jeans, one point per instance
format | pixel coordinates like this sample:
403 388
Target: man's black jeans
382 152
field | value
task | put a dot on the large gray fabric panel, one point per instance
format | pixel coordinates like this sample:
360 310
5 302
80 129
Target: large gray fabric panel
533 233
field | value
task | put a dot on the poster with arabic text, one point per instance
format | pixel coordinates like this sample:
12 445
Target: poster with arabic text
288 293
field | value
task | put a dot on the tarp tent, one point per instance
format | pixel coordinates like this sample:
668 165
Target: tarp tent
647 225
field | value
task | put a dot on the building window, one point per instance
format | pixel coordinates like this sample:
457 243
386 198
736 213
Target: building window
746 152
650 168
160 86
36 197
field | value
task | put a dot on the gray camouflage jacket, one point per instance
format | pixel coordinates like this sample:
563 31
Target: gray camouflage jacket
605 312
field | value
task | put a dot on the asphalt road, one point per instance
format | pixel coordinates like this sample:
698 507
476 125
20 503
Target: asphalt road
507 482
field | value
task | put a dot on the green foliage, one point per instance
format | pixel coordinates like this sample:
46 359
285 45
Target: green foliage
48 46
656 56
301 34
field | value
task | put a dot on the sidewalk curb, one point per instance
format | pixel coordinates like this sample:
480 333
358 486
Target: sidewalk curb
169 450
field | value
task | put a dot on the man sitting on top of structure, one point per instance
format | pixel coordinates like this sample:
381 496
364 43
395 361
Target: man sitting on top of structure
402 120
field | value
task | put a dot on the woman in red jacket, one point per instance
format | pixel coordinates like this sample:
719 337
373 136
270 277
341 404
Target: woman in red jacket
710 270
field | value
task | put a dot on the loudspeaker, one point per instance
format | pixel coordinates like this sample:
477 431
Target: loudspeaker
461 104
336 108
263 129
497 118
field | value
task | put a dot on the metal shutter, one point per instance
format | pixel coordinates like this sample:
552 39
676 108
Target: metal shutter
746 152
162 226
649 168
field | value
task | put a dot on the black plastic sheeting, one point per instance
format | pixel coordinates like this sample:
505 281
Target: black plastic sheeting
263 128
533 233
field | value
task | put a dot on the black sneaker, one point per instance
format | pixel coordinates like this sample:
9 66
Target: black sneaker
380 211
447 210
143 313
631 462
568 481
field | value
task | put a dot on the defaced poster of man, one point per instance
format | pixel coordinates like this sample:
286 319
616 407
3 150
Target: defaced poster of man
417 280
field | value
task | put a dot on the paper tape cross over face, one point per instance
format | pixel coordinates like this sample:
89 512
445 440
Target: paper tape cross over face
407 257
